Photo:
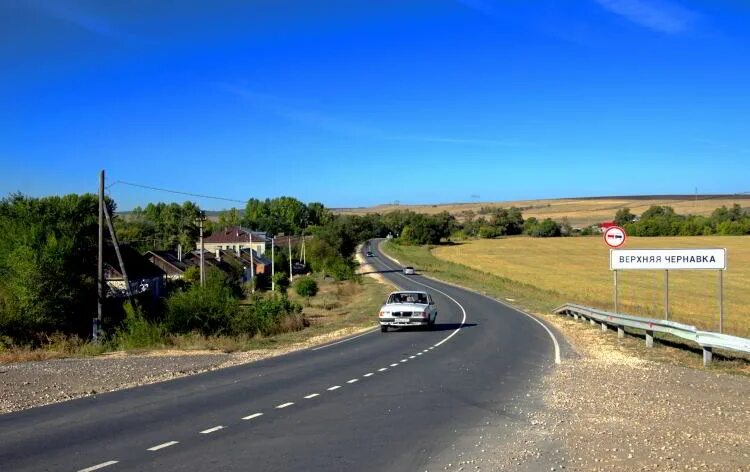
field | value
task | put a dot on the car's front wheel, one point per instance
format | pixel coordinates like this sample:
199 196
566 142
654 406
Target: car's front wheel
383 328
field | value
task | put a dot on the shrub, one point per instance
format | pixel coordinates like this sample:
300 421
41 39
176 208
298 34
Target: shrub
207 310
281 282
306 287
267 315
137 331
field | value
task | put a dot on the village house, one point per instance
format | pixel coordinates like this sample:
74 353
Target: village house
235 238
143 276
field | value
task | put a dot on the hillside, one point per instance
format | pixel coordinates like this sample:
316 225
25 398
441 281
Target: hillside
579 211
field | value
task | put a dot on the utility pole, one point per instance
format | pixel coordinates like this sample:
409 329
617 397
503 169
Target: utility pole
273 263
252 264
200 221
291 274
100 262
304 253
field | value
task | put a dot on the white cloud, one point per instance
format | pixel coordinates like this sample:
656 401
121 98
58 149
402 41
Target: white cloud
656 15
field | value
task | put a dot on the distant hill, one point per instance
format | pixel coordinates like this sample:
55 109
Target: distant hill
580 211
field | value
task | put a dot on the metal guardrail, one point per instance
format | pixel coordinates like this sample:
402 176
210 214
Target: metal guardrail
708 340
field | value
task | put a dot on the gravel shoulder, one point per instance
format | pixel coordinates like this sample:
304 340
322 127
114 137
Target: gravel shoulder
606 409
29 384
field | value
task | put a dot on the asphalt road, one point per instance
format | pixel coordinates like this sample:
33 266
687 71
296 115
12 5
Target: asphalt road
379 401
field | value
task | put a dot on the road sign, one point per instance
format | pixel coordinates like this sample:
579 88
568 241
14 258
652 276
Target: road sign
668 259
615 237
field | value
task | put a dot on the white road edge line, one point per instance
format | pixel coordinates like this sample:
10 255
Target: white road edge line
370 331
253 416
369 374
211 430
163 445
284 405
463 321
352 381
558 359
335 387
98 466
312 395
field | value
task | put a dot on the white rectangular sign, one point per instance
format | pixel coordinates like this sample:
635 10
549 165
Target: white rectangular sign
667 259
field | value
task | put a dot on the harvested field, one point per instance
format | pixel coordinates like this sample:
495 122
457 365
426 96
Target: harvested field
579 211
578 270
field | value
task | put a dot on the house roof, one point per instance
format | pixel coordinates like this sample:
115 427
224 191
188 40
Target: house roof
136 265
258 258
234 234
168 258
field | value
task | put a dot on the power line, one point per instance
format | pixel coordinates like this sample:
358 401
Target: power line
198 195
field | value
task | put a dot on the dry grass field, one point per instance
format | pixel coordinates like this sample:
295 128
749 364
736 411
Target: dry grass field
579 211
578 269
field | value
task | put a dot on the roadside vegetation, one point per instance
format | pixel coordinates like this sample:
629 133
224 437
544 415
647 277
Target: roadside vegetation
48 252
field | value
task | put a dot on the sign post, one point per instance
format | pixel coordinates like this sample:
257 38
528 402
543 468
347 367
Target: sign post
666 294
615 237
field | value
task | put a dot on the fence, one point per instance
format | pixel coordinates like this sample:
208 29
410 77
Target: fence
707 340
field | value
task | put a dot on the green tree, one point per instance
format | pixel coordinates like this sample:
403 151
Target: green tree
624 216
48 250
229 218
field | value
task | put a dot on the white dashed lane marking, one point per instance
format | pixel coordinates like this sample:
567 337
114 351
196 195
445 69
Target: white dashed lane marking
312 395
412 357
404 360
253 416
369 374
420 353
163 445
212 430
394 365
98 466
284 405
334 388
382 369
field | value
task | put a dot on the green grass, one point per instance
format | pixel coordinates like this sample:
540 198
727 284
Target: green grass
524 295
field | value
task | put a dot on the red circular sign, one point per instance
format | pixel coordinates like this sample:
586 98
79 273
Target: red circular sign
615 237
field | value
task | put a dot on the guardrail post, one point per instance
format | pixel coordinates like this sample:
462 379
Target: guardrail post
649 339
604 326
592 321
708 354
620 332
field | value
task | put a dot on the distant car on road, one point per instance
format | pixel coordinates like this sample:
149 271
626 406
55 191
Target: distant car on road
408 309
369 254
409 270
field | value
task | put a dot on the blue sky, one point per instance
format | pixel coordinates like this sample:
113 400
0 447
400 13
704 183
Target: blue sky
363 102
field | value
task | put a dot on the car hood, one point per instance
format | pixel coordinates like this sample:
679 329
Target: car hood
404 307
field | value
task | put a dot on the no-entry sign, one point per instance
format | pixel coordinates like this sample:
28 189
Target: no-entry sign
615 237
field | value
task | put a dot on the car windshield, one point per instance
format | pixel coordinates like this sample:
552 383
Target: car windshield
420 298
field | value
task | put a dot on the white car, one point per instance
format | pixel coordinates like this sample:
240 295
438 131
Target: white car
409 270
408 309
